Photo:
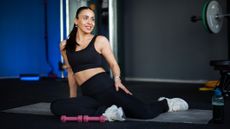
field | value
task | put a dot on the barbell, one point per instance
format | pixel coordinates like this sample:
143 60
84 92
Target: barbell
212 16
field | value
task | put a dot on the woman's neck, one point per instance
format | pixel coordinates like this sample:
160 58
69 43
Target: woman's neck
82 36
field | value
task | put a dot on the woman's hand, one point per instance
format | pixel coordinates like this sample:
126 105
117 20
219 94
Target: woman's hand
62 45
118 85
103 45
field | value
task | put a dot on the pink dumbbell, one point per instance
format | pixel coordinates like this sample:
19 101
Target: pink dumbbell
94 118
65 118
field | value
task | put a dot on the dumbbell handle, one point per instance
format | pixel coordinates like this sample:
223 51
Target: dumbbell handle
94 118
81 118
65 118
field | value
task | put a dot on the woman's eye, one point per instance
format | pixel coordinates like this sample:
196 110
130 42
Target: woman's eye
85 18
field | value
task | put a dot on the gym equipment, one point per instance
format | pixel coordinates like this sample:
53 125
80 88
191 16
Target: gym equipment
212 16
224 68
84 118
205 89
212 84
100 118
209 85
65 118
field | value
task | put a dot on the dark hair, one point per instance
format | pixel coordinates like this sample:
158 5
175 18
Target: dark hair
71 41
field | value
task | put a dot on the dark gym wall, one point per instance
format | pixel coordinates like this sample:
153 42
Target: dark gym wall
22 30
160 41
228 18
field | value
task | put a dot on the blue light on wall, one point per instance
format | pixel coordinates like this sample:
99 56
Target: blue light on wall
22 37
29 77
54 34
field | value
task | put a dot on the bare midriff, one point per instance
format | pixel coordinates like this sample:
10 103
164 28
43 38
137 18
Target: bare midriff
84 75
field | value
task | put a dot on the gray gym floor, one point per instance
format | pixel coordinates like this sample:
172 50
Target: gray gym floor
16 94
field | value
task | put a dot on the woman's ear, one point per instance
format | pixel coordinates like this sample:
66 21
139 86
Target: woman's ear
75 21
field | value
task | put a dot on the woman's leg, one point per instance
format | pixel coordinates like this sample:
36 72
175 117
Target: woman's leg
131 105
101 88
81 105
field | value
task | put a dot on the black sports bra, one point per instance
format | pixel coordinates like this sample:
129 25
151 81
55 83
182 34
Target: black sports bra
85 58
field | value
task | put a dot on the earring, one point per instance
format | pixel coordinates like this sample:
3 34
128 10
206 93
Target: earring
76 26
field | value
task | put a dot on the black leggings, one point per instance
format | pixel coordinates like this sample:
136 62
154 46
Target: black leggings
98 94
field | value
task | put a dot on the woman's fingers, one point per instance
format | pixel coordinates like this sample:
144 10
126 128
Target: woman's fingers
117 87
125 89
120 85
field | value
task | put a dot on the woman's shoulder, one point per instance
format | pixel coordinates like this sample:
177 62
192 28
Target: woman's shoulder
102 43
101 38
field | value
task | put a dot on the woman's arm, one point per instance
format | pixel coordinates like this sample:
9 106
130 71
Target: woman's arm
70 75
106 51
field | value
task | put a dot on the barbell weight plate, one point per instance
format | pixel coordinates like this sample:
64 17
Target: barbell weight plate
214 23
203 16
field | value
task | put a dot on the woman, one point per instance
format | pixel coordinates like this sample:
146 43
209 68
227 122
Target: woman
83 53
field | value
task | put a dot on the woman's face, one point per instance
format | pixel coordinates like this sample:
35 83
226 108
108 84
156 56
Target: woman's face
85 21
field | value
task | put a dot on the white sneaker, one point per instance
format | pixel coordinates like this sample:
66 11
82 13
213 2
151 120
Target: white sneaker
114 113
175 104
